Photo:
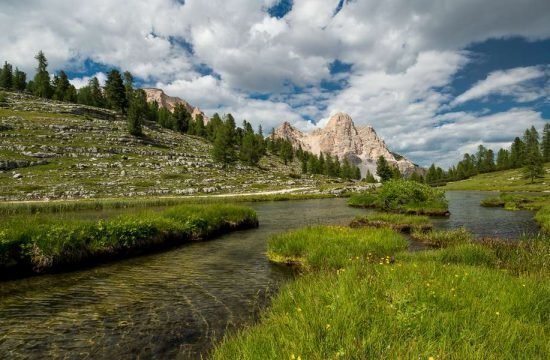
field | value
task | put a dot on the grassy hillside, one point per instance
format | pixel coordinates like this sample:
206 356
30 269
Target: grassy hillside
57 150
508 180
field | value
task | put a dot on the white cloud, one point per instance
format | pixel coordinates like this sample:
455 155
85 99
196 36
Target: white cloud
513 82
83 81
403 54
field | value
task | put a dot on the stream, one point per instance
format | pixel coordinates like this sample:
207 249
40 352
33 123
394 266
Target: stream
178 303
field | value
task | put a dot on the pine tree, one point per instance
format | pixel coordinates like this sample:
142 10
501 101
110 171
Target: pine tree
516 153
200 129
223 149
181 118
153 111
115 92
533 160
128 84
41 84
6 76
249 149
503 159
383 169
96 95
212 126
61 86
19 80
545 145
287 152
137 112
165 118
534 164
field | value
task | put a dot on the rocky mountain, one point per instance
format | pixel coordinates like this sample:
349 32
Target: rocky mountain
343 139
170 102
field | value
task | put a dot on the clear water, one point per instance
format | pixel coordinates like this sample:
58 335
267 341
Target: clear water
178 303
483 221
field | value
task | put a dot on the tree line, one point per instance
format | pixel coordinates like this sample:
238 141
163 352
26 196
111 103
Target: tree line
529 152
230 143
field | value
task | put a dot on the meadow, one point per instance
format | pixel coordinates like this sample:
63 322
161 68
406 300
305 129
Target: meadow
361 296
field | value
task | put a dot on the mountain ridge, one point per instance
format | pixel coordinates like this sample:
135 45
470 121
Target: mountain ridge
170 102
341 138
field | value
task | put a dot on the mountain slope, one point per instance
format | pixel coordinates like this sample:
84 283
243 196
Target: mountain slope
55 150
343 139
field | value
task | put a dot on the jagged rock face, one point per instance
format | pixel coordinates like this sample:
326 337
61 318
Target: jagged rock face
341 138
170 102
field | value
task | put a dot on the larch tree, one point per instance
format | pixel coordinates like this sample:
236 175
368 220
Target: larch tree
41 84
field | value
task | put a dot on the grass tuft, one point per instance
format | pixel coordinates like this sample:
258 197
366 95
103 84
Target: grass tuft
399 222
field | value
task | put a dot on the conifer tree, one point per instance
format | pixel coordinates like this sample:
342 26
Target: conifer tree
96 95
165 118
115 92
6 76
128 84
153 111
287 152
223 149
383 169
249 149
200 129
181 118
19 80
503 159
41 84
545 145
516 153
137 111
61 86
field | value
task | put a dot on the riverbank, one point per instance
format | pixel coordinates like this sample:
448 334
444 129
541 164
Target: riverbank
44 243
370 299
61 206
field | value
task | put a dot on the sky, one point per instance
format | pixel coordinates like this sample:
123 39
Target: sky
435 78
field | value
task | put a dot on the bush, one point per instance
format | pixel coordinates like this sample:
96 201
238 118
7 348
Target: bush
404 196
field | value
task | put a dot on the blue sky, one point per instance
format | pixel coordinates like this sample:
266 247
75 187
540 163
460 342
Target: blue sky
435 78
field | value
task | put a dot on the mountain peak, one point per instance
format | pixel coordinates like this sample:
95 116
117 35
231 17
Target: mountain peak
342 139
339 120
170 102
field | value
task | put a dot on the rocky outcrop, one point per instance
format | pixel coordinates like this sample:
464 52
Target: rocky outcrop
341 138
170 102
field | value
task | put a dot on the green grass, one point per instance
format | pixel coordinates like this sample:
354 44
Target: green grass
399 222
543 218
443 238
332 247
405 197
48 242
64 206
508 180
465 301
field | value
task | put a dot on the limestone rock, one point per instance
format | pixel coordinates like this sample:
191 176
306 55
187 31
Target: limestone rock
341 138
170 102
